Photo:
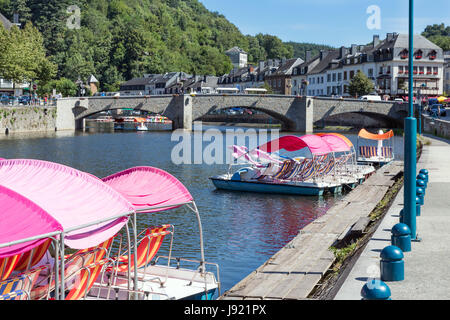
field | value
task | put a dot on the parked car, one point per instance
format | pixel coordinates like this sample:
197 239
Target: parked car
24 99
437 110
371 98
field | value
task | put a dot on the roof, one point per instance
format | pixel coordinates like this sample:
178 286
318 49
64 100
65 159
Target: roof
235 50
401 41
5 22
325 63
287 66
92 79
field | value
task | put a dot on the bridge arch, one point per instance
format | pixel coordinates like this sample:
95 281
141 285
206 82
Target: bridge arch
264 116
360 119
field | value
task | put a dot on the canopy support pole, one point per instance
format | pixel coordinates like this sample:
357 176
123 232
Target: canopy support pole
62 265
202 252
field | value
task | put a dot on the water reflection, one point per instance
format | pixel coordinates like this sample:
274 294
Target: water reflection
241 230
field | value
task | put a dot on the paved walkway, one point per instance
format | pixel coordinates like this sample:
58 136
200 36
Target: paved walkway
427 265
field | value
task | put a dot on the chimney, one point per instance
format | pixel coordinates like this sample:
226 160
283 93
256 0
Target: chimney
308 55
353 49
343 52
323 54
389 37
376 40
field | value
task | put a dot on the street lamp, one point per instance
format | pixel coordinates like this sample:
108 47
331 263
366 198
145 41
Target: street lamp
409 209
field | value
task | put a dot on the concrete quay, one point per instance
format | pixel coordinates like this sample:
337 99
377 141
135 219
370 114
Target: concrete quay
426 266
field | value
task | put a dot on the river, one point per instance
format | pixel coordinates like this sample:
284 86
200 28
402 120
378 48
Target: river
241 230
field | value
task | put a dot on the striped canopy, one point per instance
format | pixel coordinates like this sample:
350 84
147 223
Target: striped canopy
293 143
57 197
149 189
363 133
336 141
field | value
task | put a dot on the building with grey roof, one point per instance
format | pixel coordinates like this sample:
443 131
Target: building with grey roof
238 57
385 62
5 22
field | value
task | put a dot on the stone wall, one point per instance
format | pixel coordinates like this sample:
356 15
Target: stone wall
437 127
27 119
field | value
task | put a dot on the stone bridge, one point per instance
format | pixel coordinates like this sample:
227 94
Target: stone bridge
294 112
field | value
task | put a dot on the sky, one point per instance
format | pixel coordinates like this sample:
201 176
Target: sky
331 22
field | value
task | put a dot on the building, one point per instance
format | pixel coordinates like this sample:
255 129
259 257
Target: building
152 84
5 22
281 80
93 84
238 57
299 74
447 72
385 62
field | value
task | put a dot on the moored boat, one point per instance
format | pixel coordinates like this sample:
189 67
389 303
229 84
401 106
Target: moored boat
378 154
329 168
97 219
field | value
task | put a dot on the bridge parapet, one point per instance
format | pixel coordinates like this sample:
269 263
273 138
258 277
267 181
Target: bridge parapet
294 112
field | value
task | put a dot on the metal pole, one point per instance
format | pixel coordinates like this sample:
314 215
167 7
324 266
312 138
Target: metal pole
409 210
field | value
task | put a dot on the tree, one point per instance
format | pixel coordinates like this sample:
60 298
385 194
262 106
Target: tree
22 55
360 85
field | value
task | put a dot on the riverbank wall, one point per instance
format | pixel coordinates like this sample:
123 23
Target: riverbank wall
295 270
20 119
437 127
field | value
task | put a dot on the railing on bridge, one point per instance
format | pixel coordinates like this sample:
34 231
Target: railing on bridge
15 102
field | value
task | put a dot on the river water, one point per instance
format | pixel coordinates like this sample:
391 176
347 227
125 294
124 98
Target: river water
241 230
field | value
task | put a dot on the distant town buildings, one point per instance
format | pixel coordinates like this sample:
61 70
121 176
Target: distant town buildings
328 73
238 57
447 72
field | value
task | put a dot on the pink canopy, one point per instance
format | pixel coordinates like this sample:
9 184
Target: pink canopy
21 219
336 143
69 196
149 189
293 143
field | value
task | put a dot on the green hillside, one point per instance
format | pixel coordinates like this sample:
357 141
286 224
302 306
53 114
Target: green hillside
121 39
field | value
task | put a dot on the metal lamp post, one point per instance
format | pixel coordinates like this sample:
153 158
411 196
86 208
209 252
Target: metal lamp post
409 210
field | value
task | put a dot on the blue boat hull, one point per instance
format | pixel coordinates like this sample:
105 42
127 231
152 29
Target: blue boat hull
237 185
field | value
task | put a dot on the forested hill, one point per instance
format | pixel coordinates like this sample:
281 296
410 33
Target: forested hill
120 39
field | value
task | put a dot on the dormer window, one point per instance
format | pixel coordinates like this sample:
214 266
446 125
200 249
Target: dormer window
432 55
418 54
404 54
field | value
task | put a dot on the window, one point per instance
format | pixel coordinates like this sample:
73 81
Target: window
429 70
418 54
415 70
345 75
400 69
435 70
421 70
370 72
334 77
381 70
329 77
352 74
339 76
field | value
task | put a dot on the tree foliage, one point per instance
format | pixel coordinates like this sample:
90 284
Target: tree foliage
360 85
22 55
439 34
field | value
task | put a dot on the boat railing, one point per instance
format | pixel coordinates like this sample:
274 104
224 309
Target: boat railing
200 268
